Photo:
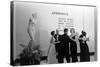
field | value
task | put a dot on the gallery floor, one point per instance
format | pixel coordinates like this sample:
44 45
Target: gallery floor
91 59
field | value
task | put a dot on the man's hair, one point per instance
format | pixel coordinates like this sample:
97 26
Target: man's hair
65 30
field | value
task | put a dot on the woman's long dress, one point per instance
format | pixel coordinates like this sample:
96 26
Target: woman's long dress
52 52
84 50
73 49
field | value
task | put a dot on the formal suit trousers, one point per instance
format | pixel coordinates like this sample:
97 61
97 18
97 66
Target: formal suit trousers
57 47
63 52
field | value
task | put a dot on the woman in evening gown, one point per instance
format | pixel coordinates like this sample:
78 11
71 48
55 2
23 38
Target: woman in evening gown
73 45
52 51
84 50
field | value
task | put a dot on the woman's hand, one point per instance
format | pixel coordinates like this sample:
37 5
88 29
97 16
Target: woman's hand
35 51
85 39
57 42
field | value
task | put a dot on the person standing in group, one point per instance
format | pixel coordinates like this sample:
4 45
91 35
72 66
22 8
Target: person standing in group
64 47
73 45
51 56
84 50
57 40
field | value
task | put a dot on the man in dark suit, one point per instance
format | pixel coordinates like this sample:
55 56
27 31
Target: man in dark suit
64 48
57 40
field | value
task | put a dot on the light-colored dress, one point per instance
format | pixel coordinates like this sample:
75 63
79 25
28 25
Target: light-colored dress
52 52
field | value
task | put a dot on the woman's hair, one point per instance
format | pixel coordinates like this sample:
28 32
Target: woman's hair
52 33
83 33
72 30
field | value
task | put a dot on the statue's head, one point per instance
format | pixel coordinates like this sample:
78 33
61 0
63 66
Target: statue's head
34 15
34 18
